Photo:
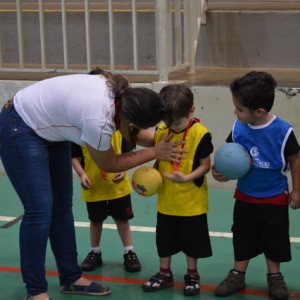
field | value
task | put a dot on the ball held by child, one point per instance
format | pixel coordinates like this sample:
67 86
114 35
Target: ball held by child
146 181
232 160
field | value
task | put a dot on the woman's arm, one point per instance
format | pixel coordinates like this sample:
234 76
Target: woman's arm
108 161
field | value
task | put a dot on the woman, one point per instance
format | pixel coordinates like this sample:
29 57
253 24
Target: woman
35 127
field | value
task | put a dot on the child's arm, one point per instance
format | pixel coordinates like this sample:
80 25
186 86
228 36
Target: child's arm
294 161
200 171
85 181
218 176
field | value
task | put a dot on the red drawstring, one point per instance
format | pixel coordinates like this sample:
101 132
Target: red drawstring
192 121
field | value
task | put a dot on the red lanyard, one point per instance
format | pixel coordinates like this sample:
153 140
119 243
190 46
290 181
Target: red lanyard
192 121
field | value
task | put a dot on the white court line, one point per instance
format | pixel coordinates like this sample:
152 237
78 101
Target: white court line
148 229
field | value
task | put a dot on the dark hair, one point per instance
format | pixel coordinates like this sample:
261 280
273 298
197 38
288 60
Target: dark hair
178 99
97 71
255 90
142 106
116 82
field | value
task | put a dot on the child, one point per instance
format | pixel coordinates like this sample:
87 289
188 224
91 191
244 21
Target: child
105 194
260 217
183 198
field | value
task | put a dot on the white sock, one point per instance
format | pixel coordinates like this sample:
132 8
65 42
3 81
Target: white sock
95 249
127 249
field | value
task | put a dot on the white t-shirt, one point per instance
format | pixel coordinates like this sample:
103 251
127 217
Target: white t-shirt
77 108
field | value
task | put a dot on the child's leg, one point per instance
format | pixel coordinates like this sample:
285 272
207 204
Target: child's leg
191 264
165 264
94 257
191 278
97 213
124 233
131 261
273 267
95 234
241 266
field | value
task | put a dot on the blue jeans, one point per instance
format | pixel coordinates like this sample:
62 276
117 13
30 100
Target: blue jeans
41 173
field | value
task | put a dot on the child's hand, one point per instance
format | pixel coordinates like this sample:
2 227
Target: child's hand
294 199
218 176
86 184
118 177
176 177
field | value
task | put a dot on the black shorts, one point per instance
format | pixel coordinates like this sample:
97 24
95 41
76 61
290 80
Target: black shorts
119 209
187 234
261 228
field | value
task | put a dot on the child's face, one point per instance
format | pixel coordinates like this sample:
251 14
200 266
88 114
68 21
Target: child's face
243 113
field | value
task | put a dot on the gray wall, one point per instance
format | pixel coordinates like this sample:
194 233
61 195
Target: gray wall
213 106
228 39
250 39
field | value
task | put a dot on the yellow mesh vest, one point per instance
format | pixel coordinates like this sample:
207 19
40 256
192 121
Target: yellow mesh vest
104 189
182 199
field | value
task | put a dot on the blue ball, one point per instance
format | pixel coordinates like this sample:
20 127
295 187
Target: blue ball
232 160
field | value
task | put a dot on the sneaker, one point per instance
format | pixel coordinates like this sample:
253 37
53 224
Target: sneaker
91 261
157 282
131 262
94 289
192 284
277 287
231 284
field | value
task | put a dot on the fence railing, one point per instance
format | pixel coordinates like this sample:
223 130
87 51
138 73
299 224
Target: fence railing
77 35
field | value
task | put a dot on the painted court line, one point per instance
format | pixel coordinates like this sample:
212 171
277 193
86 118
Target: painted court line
14 220
140 281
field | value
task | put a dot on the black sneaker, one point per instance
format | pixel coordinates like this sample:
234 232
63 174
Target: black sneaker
131 262
234 282
91 261
157 282
191 284
277 287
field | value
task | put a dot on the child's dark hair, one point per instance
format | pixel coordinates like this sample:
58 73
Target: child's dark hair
255 90
179 101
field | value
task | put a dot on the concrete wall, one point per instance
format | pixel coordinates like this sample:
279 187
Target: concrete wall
213 106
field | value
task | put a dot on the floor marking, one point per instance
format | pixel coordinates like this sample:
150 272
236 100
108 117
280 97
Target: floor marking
12 220
140 281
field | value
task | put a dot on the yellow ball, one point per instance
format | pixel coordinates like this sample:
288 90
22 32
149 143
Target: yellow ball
146 181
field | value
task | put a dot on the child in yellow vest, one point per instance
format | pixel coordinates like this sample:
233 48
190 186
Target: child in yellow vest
183 197
106 194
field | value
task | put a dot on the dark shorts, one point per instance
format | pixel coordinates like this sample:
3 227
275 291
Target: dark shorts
187 234
261 228
119 209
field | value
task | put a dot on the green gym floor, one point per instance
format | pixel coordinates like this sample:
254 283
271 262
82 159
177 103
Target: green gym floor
128 285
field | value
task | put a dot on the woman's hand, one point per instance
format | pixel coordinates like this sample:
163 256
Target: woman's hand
218 176
166 150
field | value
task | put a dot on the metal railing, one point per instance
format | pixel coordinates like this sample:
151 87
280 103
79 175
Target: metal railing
41 40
